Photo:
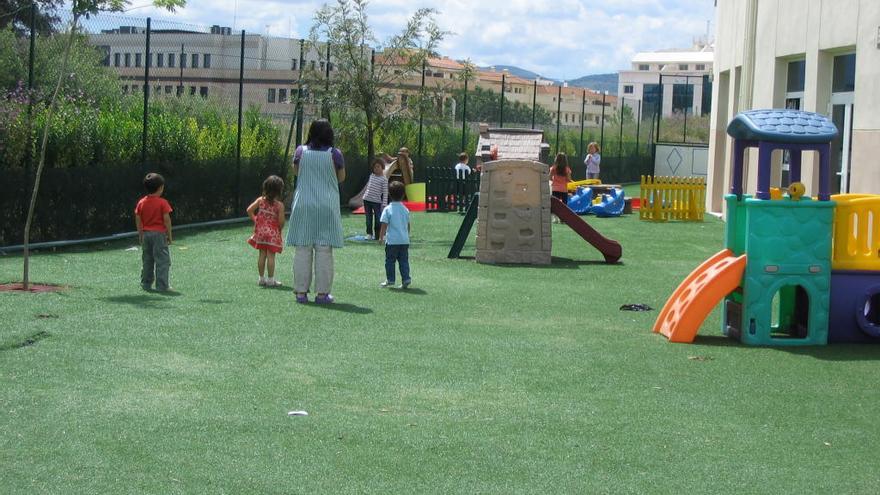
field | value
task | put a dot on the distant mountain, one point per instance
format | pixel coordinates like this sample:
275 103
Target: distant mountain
598 82
516 71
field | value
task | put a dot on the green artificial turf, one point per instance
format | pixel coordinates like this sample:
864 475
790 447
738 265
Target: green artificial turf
478 379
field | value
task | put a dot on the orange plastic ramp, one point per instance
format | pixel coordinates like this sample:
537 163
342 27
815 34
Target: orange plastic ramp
695 297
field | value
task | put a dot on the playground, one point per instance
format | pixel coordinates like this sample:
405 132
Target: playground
484 378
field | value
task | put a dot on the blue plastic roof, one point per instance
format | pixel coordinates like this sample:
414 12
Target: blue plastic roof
782 126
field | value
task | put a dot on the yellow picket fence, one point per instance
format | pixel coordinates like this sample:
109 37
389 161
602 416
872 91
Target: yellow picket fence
672 198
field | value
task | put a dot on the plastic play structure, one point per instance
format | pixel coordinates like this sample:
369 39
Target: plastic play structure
513 211
609 205
795 270
672 198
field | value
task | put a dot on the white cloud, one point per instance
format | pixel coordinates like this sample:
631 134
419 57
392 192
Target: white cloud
560 39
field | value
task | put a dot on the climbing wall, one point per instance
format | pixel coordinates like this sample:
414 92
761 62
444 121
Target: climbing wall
514 215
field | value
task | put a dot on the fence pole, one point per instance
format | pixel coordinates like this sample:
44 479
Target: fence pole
638 127
620 133
325 111
292 116
421 110
558 116
583 116
602 129
684 135
180 64
659 111
146 102
501 114
240 104
534 102
464 118
299 93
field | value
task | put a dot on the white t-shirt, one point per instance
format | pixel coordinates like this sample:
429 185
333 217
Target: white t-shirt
462 170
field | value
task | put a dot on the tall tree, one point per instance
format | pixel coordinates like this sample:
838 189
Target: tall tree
80 8
17 14
364 82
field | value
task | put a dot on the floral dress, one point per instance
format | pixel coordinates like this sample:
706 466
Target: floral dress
267 233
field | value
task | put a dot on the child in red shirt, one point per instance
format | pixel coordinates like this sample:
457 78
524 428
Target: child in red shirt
153 220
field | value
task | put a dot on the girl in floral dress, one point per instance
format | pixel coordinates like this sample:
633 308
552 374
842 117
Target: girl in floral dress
267 213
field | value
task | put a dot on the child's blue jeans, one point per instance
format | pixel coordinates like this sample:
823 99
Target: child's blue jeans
400 254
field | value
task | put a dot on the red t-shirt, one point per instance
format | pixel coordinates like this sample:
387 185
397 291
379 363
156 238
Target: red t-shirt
152 209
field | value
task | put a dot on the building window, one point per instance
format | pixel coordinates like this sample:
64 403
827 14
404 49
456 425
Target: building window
194 61
403 101
125 89
282 95
168 90
797 71
160 60
128 60
182 60
137 59
203 91
644 67
844 74
312 64
192 90
322 66
149 60
628 89
700 67
206 61
116 57
330 66
293 64
270 97
682 66
179 90
682 98
170 60
105 52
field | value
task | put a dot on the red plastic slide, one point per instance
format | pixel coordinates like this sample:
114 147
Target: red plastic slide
611 250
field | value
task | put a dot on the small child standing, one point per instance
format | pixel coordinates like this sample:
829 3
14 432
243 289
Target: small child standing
152 217
593 160
267 213
395 232
462 169
375 198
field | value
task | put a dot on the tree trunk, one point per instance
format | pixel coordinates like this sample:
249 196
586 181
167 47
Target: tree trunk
39 172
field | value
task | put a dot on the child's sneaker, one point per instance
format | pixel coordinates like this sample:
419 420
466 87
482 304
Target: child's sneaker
370 238
406 283
271 282
387 284
262 282
324 299
302 298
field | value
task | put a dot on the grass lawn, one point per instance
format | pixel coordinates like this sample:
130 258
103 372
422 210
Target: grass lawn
479 379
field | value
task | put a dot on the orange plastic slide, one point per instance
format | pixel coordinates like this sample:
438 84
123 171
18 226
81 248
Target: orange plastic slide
695 297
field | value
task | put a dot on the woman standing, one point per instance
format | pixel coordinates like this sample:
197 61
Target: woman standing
315 219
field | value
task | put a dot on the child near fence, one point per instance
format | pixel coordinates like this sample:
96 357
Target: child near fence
267 213
375 198
152 217
395 232
592 160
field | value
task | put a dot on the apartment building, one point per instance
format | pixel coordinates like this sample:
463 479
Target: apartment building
209 63
677 78
821 56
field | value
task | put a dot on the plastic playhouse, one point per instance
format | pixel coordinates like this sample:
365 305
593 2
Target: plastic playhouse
796 270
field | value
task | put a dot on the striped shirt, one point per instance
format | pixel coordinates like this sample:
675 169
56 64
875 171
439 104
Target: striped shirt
377 189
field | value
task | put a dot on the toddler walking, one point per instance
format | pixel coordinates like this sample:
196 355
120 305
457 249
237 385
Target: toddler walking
152 217
267 213
395 232
375 198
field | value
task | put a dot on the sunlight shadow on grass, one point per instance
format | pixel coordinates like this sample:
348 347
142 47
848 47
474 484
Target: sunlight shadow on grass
146 301
344 308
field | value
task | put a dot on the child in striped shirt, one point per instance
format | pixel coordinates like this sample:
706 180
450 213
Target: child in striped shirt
375 198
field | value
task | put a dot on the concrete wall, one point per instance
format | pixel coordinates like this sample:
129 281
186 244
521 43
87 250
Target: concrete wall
811 30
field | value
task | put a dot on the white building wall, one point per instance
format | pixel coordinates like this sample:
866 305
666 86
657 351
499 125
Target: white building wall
811 30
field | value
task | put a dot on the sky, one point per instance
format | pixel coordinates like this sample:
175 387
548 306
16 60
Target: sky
559 39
